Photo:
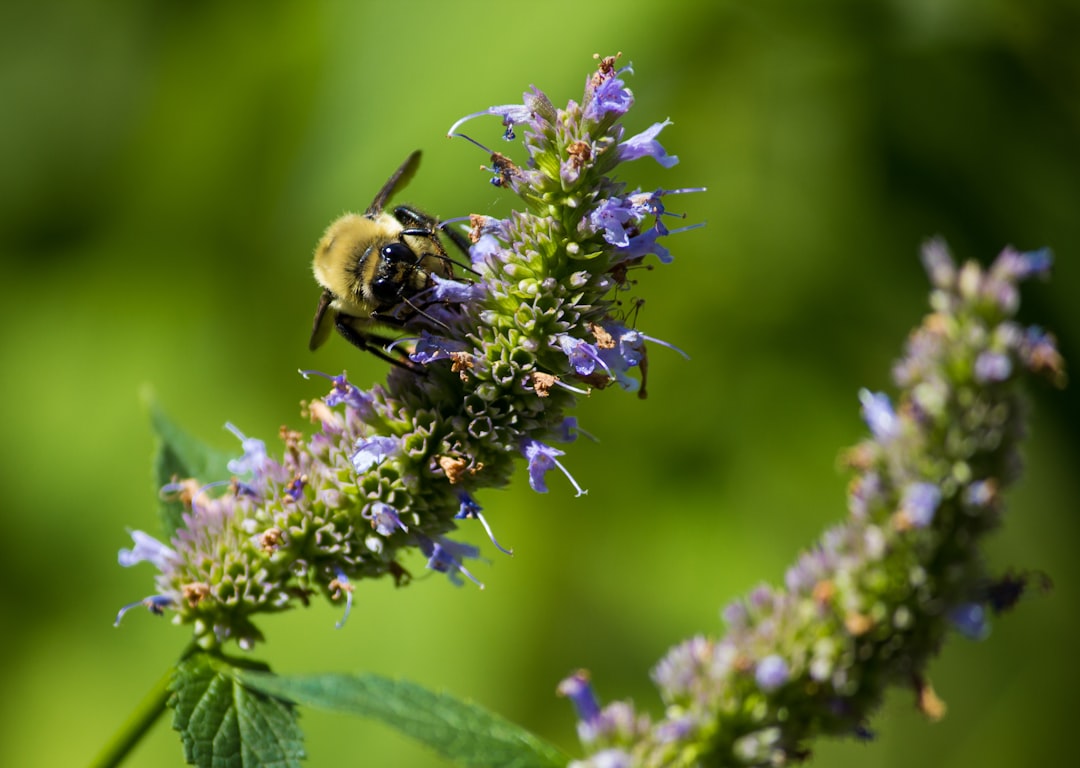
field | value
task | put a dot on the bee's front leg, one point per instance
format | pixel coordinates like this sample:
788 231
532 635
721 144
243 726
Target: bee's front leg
373 343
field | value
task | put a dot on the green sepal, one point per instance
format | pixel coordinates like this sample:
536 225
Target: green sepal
224 723
178 456
460 731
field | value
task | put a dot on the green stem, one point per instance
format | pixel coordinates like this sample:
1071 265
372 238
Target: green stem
138 723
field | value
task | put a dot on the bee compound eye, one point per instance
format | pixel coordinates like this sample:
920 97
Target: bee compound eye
385 289
398 253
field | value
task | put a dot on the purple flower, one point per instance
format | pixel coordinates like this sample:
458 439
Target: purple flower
569 430
384 518
970 621
863 733
583 356
878 413
980 493
919 503
295 490
430 348
455 291
864 492
643 244
469 509
1013 265
510 114
340 584
342 392
147 549
679 729
542 458
445 556
938 263
372 451
735 615
579 690
611 97
617 216
487 251
611 758
156 604
624 348
645 144
992 367
610 217
1039 352
771 673
254 459
627 352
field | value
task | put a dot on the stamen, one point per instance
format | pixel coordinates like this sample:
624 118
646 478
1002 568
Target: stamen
156 604
687 228
338 585
498 546
470 510
468 138
577 390
666 344
580 491
471 578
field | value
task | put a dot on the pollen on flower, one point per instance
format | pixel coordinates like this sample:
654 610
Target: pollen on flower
339 586
183 491
604 340
823 592
271 539
462 363
926 699
195 592
506 173
293 439
605 69
543 382
580 154
858 624
454 468
318 412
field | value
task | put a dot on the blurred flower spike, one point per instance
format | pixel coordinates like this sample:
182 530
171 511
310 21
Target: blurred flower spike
496 361
871 603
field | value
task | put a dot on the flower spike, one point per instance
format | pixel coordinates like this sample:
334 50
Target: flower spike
492 361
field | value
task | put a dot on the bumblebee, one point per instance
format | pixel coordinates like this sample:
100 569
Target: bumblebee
370 265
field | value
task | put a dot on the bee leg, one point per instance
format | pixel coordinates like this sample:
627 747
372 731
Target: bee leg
373 343
457 239
419 224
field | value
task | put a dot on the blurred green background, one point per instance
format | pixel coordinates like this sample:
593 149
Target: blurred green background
167 168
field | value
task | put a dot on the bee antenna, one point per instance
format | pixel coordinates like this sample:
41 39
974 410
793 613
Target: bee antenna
474 141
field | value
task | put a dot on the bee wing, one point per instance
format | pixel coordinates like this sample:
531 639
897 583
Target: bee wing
323 322
398 180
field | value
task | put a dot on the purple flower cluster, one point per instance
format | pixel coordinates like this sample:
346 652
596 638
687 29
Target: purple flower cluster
390 471
870 603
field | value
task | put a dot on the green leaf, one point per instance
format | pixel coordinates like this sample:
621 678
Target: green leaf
225 724
179 455
462 732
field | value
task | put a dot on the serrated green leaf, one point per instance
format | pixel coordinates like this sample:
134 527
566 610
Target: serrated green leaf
224 724
464 733
179 455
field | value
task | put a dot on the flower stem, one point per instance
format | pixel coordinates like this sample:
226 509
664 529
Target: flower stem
138 723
